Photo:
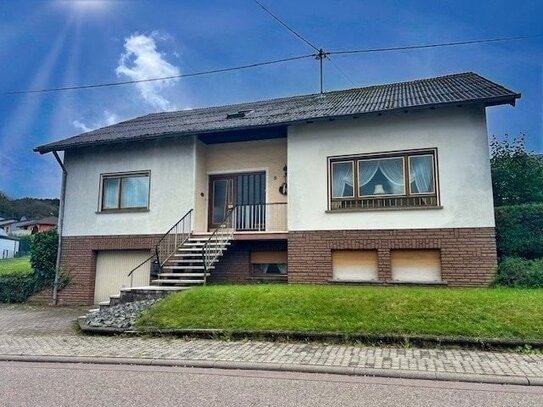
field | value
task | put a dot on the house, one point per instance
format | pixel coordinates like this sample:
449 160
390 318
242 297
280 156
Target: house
9 246
30 227
7 224
387 184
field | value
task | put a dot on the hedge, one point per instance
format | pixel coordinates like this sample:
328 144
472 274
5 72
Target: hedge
520 273
17 288
519 231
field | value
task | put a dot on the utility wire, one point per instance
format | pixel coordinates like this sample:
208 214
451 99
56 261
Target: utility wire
321 54
276 18
444 44
341 71
188 75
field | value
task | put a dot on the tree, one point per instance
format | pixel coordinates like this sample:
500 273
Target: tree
517 175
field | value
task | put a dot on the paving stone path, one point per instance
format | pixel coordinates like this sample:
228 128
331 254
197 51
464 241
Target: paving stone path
50 331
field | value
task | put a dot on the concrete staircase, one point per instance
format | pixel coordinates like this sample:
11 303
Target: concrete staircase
182 271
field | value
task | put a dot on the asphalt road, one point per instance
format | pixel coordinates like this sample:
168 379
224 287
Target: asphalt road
47 384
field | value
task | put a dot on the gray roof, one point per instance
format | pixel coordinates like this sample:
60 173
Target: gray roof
444 90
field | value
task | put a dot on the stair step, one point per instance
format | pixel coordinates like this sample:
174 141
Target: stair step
186 267
182 275
183 260
200 243
178 281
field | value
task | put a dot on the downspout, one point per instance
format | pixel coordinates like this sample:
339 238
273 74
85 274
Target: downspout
60 224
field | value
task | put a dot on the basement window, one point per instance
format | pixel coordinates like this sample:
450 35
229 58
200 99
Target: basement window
269 263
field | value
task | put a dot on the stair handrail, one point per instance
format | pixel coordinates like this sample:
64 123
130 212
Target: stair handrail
178 234
220 237
131 272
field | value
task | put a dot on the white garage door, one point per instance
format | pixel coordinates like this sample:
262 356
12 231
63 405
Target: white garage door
112 267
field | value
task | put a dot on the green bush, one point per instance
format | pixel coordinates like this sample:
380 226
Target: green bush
520 273
43 255
17 288
519 231
25 245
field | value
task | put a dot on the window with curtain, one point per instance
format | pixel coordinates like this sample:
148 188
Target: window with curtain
384 180
382 176
126 191
342 179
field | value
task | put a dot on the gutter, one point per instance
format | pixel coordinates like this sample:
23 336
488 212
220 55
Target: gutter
60 225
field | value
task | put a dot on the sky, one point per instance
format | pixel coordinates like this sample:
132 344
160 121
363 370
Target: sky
47 44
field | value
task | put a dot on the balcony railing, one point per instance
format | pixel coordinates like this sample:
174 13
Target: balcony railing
264 217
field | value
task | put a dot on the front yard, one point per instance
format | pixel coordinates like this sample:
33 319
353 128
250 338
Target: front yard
481 313
15 267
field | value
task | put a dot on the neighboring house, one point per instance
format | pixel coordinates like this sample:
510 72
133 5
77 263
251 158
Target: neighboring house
31 227
9 246
386 184
7 225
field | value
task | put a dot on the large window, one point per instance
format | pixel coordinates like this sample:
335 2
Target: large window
125 191
404 179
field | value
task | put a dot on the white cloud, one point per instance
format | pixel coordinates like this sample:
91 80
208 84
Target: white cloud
108 119
141 60
81 126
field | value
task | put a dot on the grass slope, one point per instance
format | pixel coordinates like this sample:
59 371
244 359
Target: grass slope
483 313
19 266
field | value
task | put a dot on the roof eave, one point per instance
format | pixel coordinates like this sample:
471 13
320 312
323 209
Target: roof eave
493 101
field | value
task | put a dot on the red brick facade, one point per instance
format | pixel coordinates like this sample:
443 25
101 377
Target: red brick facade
468 255
78 258
235 265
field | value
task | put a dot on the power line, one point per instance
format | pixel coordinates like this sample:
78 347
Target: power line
188 75
286 26
320 55
444 44
341 71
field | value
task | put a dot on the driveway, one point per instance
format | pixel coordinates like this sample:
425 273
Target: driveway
27 320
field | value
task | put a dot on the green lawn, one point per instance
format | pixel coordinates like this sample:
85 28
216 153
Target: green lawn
482 313
18 266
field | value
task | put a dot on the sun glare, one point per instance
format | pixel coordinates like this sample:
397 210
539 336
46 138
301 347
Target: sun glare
86 6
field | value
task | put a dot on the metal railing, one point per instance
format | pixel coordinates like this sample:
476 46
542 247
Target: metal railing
216 244
269 217
173 238
131 273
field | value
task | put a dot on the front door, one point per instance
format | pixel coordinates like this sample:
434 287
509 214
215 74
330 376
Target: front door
246 192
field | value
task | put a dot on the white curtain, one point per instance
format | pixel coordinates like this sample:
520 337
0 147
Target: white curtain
111 193
135 192
392 169
342 178
367 171
422 173
282 268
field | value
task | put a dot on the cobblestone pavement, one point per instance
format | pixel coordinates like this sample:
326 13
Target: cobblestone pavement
49 331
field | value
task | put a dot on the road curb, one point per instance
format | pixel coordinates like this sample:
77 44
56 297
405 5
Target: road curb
283 367
329 337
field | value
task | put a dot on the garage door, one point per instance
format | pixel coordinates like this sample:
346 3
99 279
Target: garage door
112 267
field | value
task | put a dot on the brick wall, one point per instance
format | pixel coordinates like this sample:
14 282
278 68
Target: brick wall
235 265
78 258
468 255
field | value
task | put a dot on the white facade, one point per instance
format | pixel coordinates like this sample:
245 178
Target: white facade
8 247
180 168
171 165
460 136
